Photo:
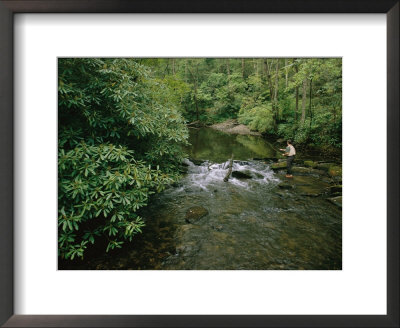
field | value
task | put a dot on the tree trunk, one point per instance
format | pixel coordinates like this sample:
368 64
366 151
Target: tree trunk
173 66
243 67
303 101
195 81
276 91
311 114
268 73
186 71
286 73
229 170
228 68
296 111
195 100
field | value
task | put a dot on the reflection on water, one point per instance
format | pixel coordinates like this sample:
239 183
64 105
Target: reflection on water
216 146
251 223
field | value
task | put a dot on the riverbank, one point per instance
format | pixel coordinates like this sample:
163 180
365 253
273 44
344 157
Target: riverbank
233 127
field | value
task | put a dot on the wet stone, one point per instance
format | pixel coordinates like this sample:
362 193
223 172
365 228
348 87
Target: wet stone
285 186
240 175
195 213
325 166
310 164
336 189
278 166
336 201
335 171
217 228
307 171
197 162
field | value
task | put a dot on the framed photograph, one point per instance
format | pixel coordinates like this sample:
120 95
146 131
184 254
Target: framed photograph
181 164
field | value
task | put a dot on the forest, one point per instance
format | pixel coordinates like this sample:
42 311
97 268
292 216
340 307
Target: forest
123 129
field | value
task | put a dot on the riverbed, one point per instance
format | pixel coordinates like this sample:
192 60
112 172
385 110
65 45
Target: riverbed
260 222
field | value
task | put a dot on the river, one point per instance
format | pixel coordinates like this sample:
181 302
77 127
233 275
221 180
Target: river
252 224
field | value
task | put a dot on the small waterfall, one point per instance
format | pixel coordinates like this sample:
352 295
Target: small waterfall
209 175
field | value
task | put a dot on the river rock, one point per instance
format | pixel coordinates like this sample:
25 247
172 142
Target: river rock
325 166
195 213
307 170
272 159
335 171
240 175
197 161
336 201
311 194
278 166
285 186
335 189
310 164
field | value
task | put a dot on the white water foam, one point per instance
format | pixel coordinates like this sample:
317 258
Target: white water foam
209 174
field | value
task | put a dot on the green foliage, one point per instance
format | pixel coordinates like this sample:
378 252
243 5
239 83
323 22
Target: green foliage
120 137
259 118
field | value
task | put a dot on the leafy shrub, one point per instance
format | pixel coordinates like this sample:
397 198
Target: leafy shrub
119 142
259 118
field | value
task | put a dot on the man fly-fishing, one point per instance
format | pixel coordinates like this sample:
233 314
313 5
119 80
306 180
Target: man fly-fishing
290 152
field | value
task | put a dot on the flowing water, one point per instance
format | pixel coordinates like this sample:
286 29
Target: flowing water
251 223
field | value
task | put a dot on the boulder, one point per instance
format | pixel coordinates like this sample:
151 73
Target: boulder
197 161
310 164
278 166
240 175
195 213
335 171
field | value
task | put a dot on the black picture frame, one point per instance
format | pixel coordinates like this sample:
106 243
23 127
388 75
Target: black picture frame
10 7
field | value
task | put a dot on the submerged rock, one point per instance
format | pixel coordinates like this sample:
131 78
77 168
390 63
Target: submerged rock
335 189
325 166
217 228
306 170
336 201
195 213
285 186
335 171
311 194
